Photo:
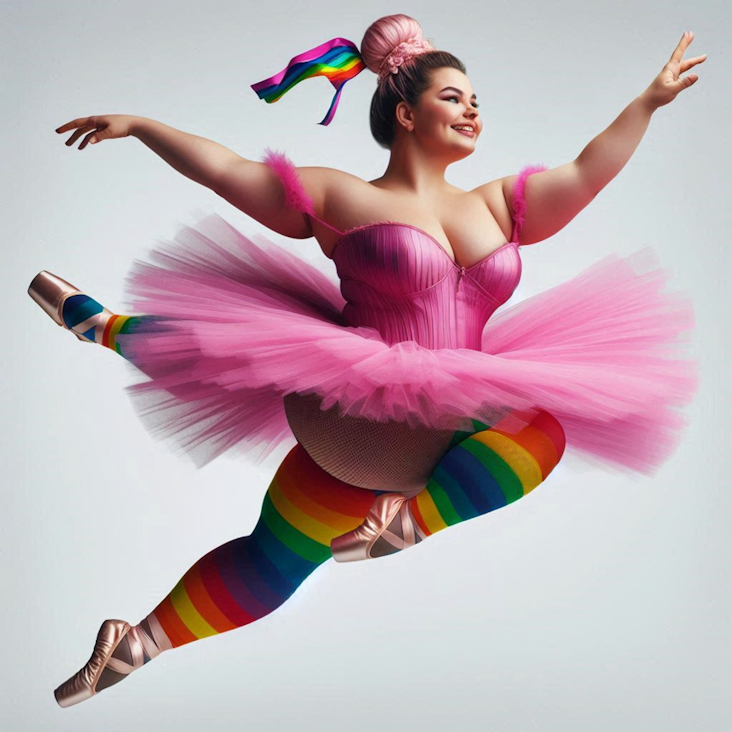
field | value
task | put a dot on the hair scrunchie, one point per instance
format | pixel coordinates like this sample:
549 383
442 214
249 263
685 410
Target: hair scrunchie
401 53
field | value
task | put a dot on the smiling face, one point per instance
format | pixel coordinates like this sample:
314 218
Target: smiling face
448 102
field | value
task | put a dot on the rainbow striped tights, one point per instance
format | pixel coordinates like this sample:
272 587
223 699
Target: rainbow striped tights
305 507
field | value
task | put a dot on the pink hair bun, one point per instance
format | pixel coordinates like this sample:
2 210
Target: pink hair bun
390 41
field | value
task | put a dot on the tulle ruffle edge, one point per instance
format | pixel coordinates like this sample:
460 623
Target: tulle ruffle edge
240 324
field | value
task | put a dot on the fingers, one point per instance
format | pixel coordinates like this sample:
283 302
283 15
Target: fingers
75 123
78 134
84 124
686 65
85 141
686 39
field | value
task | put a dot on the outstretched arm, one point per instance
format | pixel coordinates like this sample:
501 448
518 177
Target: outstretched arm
198 158
195 157
608 153
252 187
554 197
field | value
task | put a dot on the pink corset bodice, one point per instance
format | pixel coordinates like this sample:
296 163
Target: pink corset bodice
401 281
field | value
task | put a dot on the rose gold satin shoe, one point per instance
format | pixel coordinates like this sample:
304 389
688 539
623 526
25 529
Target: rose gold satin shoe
83 684
51 292
379 534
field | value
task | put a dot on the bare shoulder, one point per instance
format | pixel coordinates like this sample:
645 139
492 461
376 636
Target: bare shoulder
327 186
337 195
257 189
496 195
321 183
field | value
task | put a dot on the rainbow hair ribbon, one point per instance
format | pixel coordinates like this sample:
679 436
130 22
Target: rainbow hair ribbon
338 60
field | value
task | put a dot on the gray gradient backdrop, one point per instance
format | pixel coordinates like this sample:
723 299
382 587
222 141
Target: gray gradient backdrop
600 602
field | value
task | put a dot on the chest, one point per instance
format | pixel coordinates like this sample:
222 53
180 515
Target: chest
387 266
460 223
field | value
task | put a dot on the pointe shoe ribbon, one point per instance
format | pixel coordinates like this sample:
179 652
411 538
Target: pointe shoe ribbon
51 292
83 684
139 642
388 508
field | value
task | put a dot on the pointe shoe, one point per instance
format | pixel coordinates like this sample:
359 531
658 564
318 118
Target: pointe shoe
51 292
388 510
83 684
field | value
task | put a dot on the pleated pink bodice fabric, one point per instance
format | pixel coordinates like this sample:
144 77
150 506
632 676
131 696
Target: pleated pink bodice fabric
401 281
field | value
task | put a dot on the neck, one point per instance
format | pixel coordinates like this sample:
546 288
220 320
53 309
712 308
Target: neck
411 170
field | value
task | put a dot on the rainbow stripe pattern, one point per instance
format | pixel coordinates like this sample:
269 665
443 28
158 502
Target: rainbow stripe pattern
119 324
338 60
305 508
488 470
249 577
85 316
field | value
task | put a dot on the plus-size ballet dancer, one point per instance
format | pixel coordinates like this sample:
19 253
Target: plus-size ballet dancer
411 411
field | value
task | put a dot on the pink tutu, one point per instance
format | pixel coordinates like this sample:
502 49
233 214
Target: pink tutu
241 322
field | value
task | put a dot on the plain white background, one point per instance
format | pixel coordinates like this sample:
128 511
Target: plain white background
599 602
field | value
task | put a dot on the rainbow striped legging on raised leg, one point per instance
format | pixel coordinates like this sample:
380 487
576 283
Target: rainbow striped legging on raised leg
305 507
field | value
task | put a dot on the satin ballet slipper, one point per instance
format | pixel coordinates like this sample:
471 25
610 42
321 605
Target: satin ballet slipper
376 536
83 684
51 292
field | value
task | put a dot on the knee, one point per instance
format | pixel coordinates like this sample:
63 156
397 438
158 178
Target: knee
552 429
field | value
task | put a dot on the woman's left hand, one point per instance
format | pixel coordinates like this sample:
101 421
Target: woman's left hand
667 84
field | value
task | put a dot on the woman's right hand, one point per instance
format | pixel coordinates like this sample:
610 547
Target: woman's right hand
100 127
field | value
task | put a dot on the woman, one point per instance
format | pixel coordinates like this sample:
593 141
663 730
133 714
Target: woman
410 413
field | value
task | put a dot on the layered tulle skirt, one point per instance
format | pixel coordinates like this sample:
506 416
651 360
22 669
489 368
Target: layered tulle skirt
241 326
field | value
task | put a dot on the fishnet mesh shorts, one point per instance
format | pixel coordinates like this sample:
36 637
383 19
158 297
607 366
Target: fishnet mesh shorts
384 456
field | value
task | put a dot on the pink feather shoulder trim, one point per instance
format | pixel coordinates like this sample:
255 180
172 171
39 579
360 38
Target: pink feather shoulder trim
519 201
295 195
